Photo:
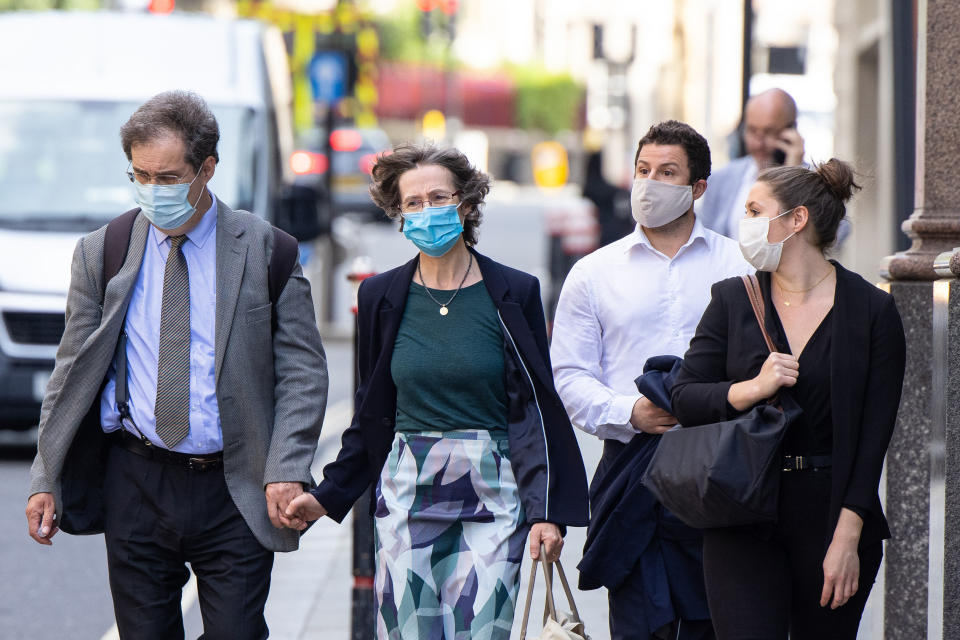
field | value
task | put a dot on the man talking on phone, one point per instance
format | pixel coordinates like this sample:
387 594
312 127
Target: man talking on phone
771 138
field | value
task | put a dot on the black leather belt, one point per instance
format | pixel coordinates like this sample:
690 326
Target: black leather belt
192 462
806 463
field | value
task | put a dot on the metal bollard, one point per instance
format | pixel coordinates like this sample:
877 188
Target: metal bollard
362 614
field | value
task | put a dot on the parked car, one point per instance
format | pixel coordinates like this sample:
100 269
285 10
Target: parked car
354 153
76 78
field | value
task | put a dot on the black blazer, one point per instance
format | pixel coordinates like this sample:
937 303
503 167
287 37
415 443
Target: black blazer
868 352
544 453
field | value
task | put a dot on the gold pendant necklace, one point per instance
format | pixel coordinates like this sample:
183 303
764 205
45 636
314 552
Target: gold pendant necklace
784 290
443 305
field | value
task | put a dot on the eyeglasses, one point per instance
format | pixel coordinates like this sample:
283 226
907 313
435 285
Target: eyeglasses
146 178
437 199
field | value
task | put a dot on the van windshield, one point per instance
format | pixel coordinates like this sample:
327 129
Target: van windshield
61 164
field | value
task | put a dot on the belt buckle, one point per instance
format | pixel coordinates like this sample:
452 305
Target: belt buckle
790 463
799 463
199 464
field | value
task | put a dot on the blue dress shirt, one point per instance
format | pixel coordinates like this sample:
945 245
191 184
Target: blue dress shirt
142 326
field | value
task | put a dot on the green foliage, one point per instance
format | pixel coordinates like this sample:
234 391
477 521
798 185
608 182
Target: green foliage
402 37
546 101
43 5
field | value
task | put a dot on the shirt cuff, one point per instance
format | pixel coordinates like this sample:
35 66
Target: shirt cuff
621 408
617 424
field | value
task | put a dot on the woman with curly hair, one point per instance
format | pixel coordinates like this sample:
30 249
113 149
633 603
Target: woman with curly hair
457 420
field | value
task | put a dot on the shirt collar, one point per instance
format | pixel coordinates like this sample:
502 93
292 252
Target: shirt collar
638 237
200 233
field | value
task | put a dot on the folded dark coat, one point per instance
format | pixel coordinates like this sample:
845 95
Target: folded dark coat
630 532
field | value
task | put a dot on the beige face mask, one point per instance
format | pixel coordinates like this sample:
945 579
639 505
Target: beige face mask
655 203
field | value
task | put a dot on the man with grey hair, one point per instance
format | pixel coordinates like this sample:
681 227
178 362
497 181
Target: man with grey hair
188 393
770 137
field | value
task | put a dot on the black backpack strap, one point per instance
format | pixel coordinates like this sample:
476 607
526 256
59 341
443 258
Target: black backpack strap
286 252
115 244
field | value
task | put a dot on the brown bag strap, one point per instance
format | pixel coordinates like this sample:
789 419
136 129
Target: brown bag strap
526 606
550 608
756 301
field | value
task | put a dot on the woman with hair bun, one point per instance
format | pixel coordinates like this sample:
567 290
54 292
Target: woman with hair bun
840 356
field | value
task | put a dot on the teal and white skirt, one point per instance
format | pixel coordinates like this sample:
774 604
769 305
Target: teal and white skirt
450 537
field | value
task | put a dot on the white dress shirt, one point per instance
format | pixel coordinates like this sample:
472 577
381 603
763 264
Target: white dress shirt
622 304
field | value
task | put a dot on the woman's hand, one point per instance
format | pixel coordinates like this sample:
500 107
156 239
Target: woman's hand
547 534
779 370
303 509
841 566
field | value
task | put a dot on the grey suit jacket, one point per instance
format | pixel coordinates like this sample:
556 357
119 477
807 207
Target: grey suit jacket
271 387
719 200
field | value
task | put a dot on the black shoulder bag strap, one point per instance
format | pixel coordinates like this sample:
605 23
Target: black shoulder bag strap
115 245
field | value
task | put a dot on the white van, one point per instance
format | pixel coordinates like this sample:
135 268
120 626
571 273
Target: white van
69 80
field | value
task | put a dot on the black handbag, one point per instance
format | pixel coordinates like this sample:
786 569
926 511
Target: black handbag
726 473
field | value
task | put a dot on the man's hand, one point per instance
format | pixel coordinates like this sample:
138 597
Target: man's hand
547 534
279 496
41 515
791 143
650 418
303 509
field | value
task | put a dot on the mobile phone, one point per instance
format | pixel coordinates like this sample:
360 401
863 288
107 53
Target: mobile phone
779 156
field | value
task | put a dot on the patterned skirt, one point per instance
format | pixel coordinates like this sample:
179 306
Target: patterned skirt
450 537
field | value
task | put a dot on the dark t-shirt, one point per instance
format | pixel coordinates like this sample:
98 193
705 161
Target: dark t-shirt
449 369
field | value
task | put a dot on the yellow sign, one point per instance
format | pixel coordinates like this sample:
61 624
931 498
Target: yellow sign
434 125
550 165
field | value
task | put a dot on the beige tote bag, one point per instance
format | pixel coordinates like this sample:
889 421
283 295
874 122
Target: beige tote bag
556 626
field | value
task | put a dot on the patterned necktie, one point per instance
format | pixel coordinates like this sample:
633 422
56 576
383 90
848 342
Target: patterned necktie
172 409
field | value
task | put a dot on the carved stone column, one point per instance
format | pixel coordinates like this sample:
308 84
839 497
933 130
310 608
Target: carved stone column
922 599
934 226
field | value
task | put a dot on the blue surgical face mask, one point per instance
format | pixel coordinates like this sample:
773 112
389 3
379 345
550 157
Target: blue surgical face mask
434 230
166 205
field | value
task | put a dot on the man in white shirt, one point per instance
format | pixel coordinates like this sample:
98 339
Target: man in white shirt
770 137
638 297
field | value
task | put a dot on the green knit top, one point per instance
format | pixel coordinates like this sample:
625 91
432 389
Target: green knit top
448 369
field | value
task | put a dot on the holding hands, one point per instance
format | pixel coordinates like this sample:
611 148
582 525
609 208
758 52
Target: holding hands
303 509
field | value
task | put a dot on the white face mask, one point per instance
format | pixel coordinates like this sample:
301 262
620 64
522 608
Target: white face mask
758 251
656 203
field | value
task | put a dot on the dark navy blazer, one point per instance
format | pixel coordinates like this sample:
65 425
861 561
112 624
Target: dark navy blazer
544 453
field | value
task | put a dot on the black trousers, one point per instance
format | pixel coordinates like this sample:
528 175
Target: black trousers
160 516
765 581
